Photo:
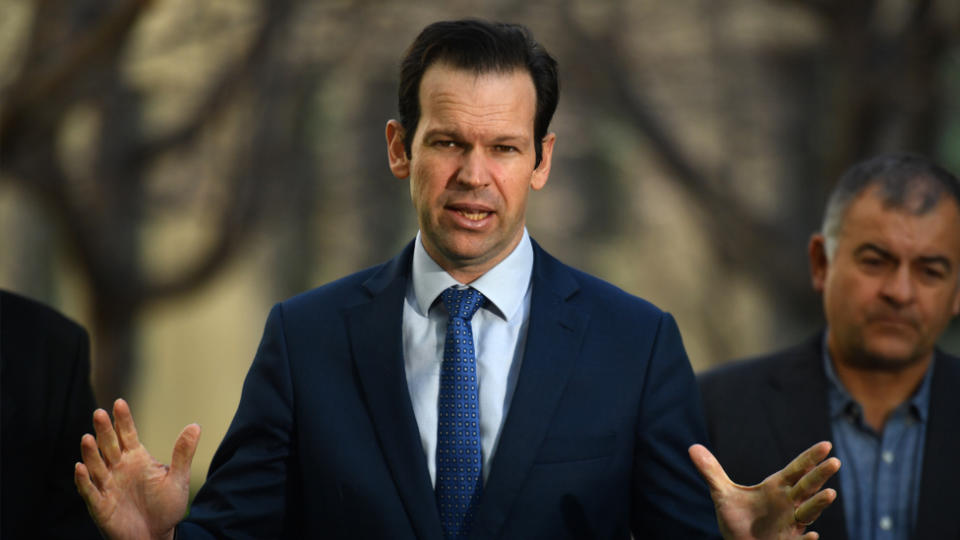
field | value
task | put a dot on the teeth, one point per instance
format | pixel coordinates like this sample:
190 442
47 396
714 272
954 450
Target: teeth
474 216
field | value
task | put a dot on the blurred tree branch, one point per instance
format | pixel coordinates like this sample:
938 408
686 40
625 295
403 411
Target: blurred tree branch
75 55
881 92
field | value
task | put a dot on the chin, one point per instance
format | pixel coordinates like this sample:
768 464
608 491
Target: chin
889 356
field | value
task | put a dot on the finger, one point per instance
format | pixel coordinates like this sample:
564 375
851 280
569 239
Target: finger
106 436
126 429
81 478
93 461
814 480
709 467
809 511
810 536
183 451
805 462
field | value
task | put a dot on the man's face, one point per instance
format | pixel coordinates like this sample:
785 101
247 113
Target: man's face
892 286
471 165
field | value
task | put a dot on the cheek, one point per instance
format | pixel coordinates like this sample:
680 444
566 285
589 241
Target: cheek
429 177
846 296
941 305
420 185
515 190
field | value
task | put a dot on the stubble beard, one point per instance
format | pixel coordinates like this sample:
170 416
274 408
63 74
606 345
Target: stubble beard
863 358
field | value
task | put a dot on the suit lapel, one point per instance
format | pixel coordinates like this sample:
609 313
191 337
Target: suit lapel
553 341
799 416
936 509
376 338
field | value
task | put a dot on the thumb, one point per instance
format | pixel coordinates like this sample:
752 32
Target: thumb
183 451
709 467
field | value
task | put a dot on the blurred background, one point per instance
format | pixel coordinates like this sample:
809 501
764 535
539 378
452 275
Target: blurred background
170 169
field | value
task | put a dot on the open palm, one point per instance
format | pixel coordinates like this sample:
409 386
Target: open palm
128 492
780 507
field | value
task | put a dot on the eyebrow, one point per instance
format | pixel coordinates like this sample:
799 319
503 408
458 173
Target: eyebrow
514 138
936 259
439 132
925 259
456 135
874 248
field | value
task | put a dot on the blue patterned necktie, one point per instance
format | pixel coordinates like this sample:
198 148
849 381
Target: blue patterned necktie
459 458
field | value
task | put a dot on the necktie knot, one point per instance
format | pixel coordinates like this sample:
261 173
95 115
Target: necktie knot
462 303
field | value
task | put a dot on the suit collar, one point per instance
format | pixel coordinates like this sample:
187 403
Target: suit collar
936 513
556 329
393 270
504 286
798 414
377 343
798 408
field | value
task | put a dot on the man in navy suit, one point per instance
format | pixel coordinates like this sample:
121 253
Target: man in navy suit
587 404
887 263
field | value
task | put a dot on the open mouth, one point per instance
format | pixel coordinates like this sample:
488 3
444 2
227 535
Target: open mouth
473 215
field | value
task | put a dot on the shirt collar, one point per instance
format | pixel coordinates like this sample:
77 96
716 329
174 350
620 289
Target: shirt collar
841 402
504 285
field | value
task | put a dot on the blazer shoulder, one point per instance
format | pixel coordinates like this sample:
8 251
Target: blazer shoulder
736 371
21 317
950 362
352 289
748 374
336 293
590 292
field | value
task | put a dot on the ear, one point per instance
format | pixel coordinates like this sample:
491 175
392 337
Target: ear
542 172
817 251
396 152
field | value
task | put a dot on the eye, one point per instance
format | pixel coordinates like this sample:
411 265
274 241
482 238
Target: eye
445 143
505 148
873 264
933 272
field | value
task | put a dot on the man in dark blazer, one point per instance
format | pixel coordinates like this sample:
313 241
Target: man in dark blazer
888 265
337 435
46 398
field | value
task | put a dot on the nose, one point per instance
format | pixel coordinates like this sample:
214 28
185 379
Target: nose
898 286
473 169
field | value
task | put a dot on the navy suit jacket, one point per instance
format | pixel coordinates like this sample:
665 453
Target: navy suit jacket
325 443
763 412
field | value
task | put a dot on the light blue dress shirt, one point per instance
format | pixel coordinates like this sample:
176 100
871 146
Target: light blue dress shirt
499 330
880 477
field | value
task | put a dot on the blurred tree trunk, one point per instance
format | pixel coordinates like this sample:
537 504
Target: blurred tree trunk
75 57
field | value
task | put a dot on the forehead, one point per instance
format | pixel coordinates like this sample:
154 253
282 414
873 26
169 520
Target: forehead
900 230
455 98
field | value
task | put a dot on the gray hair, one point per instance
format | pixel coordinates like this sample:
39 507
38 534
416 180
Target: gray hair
905 181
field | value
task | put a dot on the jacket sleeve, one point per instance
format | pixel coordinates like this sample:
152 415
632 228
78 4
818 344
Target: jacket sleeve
671 500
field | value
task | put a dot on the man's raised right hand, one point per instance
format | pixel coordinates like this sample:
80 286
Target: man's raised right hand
130 494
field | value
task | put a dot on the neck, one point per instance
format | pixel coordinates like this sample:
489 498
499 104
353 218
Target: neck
467 270
879 392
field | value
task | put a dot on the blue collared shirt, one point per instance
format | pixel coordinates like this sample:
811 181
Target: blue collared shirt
880 476
499 332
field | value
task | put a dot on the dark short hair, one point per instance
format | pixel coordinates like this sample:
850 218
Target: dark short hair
906 181
483 47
